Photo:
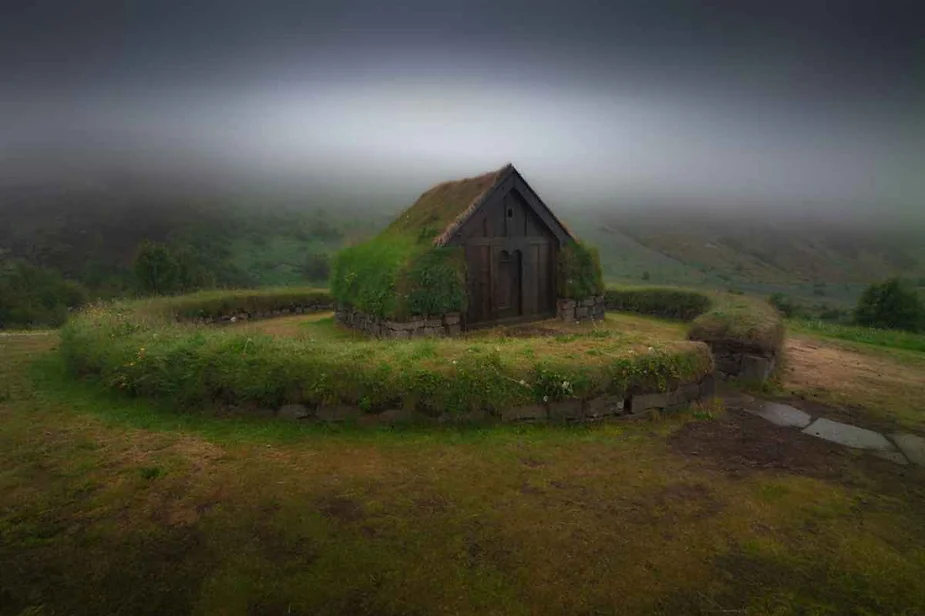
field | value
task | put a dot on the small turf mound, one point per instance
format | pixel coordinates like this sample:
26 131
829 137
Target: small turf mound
739 320
140 348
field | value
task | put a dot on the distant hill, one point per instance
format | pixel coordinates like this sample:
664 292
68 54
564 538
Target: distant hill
90 232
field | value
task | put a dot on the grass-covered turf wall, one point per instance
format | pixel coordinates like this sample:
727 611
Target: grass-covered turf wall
213 304
667 303
139 348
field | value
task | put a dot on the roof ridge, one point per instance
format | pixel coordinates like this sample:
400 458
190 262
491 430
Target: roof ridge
500 175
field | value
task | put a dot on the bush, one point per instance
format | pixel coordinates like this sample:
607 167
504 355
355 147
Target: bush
579 271
137 349
656 302
784 304
32 296
890 305
156 269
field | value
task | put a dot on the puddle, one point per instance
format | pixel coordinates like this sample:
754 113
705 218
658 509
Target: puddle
780 414
851 436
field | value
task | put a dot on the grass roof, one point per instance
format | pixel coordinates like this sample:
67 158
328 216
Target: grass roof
440 211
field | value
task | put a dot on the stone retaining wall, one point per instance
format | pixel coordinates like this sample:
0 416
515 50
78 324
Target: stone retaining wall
416 327
567 411
570 310
737 360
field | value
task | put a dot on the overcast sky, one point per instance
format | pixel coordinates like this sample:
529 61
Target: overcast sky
792 104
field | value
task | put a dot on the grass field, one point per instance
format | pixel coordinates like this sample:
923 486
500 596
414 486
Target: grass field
109 505
893 339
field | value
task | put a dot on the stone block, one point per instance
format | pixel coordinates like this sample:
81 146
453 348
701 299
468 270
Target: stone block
533 412
645 402
433 322
338 413
451 318
728 364
566 304
756 368
604 406
567 315
293 411
566 410
400 333
582 312
683 395
453 330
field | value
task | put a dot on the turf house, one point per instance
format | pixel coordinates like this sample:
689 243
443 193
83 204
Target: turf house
469 253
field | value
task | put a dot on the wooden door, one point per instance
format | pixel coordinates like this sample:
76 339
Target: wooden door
508 290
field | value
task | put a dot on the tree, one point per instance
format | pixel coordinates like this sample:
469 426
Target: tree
890 305
33 296
317 267
156 269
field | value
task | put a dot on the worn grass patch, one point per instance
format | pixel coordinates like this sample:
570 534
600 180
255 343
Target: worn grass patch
868 384
109 505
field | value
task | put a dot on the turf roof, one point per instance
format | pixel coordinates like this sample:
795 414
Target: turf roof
440 211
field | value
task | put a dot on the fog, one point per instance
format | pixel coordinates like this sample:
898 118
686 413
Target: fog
794 108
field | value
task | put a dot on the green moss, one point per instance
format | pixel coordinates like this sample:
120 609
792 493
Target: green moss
579 271
395 276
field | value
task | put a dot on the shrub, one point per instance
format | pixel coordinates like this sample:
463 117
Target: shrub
135 348
890 305
156 269
784 304
32 296
579 271
658 302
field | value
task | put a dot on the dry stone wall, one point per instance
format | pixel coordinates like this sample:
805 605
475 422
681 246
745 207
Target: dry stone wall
608 407
591 308
254 315
736 360
416 327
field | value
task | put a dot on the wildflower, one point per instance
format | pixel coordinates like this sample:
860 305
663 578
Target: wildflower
523 382
651 349
454 362
545 398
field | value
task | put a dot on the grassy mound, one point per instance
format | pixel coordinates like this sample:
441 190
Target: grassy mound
138 348
741 321
658 302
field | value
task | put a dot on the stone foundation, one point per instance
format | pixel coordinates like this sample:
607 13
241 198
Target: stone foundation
416 327
588 309
735 360
571 410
